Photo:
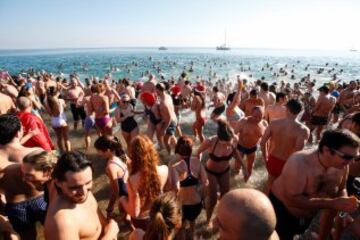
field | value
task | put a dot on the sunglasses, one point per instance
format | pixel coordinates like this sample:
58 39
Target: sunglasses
345 156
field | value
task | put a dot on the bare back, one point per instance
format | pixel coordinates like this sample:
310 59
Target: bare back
287 137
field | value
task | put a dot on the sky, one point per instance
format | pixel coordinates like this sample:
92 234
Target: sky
290 24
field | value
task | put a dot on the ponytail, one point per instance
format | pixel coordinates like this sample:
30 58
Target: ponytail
157 228
105 143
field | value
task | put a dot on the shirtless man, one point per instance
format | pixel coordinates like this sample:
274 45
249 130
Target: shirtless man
74 214
346 97
322 110
11 132
24 203
149 86
75 95
7 104
277 110
250 130
315 179
256 221
186 93
251 102
286 137
168 116
268 97
219 104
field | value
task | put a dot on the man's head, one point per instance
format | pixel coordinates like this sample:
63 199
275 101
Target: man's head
10 128
246 214
24 103
73 82
257 114
254 93
280 97
324 90
293 107
160 88
264 86
352 85
340 147
37 168
73 176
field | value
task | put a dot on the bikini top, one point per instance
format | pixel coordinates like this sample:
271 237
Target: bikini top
222 158
190 180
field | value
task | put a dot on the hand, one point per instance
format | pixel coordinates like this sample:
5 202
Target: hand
34 132
111 230
346 204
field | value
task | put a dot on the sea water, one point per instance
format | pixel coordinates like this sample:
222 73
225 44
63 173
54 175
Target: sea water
205 63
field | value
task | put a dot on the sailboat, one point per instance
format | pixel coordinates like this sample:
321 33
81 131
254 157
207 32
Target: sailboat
223 47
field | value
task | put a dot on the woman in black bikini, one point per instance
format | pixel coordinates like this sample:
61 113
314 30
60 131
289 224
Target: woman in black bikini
221 149
188 177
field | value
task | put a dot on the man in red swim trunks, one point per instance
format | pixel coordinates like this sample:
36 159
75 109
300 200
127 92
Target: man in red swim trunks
286 137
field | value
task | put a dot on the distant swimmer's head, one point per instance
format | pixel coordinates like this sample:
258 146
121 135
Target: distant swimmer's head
294 107
224 132
339 148
246 214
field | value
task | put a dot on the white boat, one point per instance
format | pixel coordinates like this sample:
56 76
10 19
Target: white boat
223 47
353 50
162 48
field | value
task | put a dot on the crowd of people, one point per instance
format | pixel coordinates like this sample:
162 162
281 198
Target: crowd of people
308 142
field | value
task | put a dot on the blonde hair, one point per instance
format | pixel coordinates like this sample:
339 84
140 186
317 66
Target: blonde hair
41 160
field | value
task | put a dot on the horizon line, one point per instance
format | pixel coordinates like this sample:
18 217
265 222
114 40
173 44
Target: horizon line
168 48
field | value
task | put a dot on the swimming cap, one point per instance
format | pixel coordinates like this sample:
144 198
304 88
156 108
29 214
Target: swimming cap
147 98
176 90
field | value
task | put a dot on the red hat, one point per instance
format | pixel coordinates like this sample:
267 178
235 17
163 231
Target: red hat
176 90
147 98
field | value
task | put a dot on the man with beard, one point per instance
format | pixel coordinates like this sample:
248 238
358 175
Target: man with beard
74 214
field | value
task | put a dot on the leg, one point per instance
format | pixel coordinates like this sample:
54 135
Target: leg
133 134
318 132
166 141
59 140
127 138
65 135
150 130
224 183
211 197
87 139
194 129
200 132
269 182
250 163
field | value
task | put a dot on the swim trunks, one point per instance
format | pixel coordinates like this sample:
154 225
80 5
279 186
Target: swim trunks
245 150
89 123
171 128
24 215
287 225
319 121
191 212
128 124
77 112
274 165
